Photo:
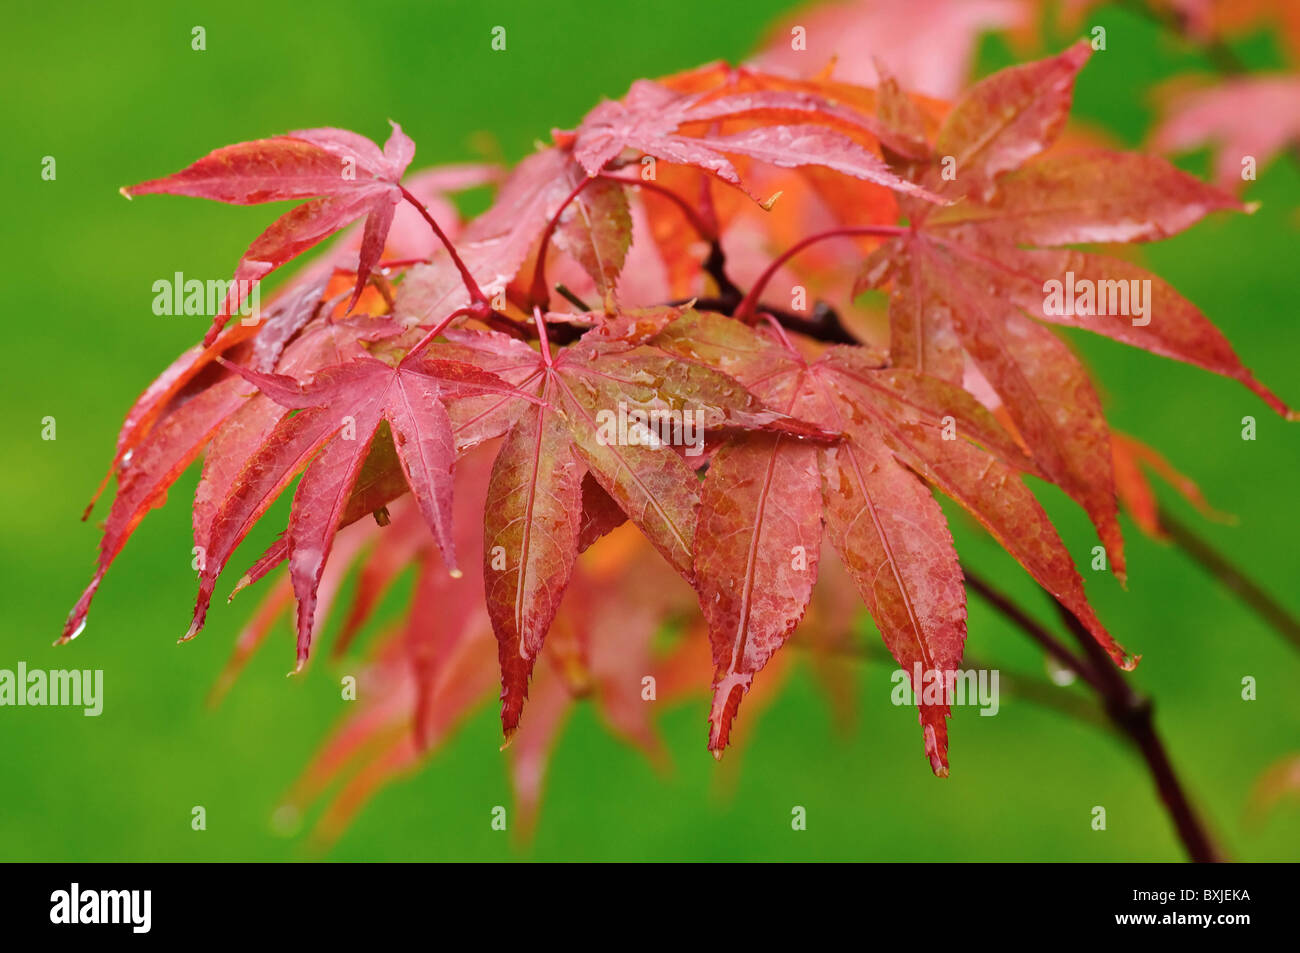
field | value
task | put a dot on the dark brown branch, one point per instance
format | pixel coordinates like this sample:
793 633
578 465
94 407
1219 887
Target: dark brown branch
499 322
1053 646
823 325
1129 712
715 266
1133 714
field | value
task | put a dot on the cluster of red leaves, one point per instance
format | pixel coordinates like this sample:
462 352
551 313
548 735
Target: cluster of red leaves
438 364
1239 115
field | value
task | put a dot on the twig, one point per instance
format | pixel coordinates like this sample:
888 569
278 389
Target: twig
1223 571
476 295
1133 714
1222 57
745 310
1032 689
539 294
1129 712
567 294
1050 643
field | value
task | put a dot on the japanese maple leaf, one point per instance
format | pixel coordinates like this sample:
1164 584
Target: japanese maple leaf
346 175
341 412
596 232
600 649
536 517
765 497
962 283
294 306
650 117
1255 117
190 406
423 676
433 670
1132 459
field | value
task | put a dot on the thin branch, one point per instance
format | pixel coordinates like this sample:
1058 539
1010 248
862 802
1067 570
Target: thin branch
1222 57
476 295
1128 711
1027 624
715 266
1032 689
539 293
567 294
1133 714
823 325
1223 571
499 322
745 311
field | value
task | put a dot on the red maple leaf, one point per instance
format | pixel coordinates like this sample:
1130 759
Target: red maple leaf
535 515
342 410
346 175
962 284
765 498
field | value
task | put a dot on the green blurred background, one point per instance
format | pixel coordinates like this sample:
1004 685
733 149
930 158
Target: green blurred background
116 95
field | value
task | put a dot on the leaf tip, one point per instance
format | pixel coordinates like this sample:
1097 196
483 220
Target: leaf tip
75 625
727 695
936 746
244 582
